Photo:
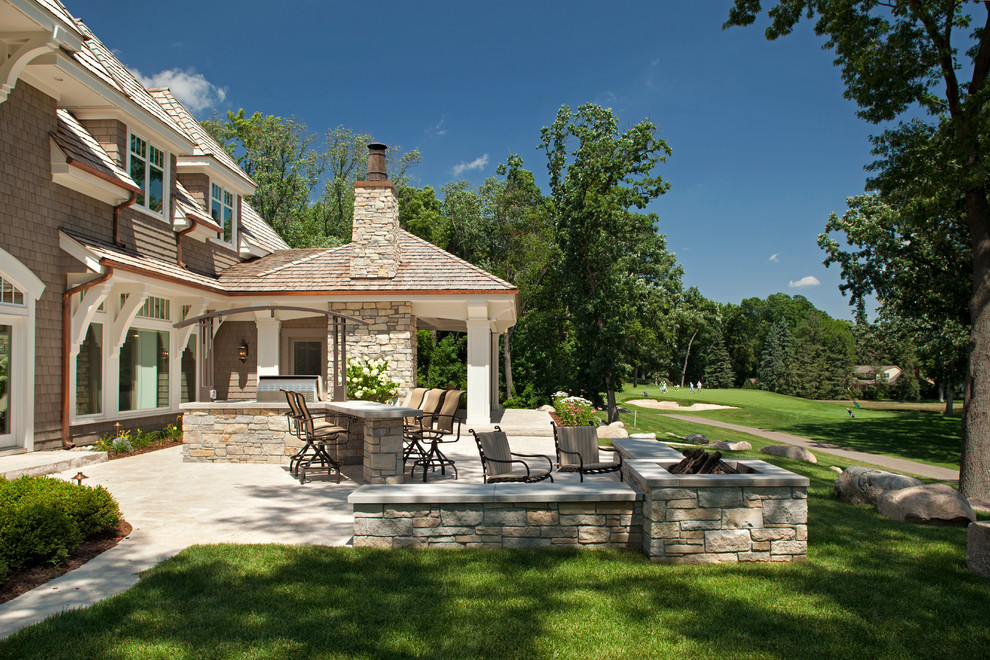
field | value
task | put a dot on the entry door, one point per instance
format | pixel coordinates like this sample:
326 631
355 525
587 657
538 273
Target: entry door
7 378
307 357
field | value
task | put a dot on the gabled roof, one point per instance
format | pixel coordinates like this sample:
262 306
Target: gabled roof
204 142
82 149
258 232
424 269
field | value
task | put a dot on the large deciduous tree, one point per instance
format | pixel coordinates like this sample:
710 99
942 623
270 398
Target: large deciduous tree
598 173
900 55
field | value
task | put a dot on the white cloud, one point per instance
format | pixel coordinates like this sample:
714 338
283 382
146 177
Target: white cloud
809 280
476 164
775 257
440 128
192 89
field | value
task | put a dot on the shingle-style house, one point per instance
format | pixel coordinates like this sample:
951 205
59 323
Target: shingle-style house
120 219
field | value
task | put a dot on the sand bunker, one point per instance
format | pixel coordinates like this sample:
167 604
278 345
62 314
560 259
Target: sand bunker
672 405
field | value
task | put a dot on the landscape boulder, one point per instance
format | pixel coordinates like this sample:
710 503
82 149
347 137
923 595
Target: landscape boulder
789 451
731 446
644 436
978 548
613 430
547 409
930 504
697 438
863 485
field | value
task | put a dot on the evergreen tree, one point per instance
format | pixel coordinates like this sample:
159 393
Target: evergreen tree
772 372
718 371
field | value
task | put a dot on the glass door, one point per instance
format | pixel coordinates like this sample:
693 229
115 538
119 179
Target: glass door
6 355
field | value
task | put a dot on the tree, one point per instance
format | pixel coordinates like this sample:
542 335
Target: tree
693 315
718 370
280 155
773 359
597 174
896 56
820 358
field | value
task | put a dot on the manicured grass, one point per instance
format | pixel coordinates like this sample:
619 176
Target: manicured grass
919 436
871 588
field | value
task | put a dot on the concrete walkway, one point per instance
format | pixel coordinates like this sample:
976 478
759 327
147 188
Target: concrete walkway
887 462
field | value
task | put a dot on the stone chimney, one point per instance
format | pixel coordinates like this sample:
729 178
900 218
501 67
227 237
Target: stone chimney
375 233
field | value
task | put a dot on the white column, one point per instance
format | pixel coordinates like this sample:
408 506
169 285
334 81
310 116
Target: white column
495 368
268 340
479 358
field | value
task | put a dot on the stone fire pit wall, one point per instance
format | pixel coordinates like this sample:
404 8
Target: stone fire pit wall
463 515
761 515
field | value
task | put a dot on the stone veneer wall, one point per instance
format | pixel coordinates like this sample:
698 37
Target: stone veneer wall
605 515
391 334
375 233
246 433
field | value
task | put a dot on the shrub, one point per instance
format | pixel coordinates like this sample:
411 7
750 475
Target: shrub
369 381
575 410
121 445
43 519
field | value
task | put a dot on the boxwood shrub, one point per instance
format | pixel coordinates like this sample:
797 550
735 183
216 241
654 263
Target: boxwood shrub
42 520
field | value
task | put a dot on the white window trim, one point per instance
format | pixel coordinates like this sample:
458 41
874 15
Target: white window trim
22 322
164 216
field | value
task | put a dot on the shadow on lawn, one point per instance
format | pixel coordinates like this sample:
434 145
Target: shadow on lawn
872 587
915 436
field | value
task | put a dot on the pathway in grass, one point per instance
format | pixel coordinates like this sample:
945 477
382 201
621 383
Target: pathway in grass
888 462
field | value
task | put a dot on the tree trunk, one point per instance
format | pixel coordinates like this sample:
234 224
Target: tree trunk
974 460
613 410
941 392
635 377
948 402
686 357
507 362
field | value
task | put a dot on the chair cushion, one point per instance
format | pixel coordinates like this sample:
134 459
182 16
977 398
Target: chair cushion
580 439
590 467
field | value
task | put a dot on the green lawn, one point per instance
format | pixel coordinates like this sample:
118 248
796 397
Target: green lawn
919 436
871 588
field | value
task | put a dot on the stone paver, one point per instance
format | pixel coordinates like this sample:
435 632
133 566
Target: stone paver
889 462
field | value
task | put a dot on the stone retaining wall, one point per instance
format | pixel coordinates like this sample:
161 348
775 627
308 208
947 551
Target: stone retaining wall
604 515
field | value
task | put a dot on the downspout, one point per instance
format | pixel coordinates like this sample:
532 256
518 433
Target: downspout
116 217
178 240
67 341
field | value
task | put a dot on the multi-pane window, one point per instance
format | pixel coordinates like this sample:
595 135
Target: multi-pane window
222 211
10 294
148 171
154 308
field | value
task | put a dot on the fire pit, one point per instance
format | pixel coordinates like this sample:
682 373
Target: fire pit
757 512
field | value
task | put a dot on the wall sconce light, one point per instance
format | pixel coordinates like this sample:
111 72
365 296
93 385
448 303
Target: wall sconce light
243 351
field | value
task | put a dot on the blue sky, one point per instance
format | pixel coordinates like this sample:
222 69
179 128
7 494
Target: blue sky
764 146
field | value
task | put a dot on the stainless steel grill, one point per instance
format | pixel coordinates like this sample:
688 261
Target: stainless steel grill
270 387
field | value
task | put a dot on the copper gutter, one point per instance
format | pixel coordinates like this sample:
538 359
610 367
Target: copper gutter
193 223
116 217
67 343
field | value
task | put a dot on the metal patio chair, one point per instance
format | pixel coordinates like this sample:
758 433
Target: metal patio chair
500 465
318 433
577 451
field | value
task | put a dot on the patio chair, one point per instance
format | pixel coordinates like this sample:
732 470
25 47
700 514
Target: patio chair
500 465
577 451
413 427
318 432
445 422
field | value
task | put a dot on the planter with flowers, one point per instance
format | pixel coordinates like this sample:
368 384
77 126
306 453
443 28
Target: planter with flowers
570 410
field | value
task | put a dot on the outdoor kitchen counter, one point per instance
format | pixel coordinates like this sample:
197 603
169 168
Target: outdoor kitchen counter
257 432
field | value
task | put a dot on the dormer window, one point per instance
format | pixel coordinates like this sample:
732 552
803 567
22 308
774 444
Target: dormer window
147 168
222 212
